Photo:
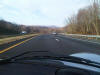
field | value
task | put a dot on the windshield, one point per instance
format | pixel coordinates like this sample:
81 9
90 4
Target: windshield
54 27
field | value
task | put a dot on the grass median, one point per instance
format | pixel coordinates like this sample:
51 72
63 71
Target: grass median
14 38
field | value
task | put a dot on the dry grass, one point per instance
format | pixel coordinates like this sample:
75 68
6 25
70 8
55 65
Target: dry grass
11 39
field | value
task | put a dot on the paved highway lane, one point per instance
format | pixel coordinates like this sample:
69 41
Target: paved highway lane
54 44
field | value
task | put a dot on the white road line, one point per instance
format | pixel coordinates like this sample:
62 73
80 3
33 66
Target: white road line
57 40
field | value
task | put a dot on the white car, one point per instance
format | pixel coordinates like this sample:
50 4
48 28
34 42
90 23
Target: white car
54 33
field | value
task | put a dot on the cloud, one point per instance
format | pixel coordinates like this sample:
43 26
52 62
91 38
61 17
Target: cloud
42 12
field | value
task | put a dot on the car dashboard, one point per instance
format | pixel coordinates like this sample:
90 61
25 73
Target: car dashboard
46 67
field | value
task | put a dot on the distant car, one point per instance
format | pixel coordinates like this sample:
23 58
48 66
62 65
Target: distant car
54 33
23 32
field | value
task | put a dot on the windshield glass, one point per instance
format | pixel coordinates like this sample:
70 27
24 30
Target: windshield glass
53 27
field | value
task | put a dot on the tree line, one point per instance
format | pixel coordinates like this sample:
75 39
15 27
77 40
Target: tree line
8 27
12 28
87 21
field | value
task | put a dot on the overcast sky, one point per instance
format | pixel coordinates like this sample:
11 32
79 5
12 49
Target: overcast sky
40 12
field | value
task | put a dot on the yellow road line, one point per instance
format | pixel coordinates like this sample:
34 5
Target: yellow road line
2 51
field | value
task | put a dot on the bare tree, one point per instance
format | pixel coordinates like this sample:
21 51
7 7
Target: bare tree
87 21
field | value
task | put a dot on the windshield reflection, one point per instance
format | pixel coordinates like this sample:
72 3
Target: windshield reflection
89 56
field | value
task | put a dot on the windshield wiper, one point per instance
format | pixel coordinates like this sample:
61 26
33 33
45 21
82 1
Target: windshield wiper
63 58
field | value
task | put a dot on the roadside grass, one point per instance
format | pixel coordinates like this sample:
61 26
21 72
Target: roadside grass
11 38
6 36
91 39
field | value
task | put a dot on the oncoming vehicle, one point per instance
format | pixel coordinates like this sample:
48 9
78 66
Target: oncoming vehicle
28 63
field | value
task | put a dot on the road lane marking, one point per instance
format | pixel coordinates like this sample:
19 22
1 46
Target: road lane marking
83 40
4 50
57 40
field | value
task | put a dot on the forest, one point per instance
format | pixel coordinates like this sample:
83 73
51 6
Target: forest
86 21
9 28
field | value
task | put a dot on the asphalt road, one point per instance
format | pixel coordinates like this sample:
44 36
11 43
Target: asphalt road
53 44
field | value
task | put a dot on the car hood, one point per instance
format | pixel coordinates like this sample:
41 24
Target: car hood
88 56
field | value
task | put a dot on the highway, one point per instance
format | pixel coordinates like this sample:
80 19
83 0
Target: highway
53 44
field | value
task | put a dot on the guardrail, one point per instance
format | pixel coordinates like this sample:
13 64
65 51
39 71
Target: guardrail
96 36
85 36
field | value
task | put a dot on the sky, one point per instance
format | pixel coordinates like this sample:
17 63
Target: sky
40 12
